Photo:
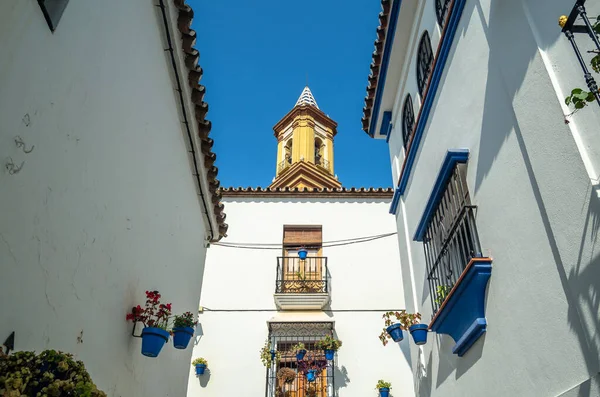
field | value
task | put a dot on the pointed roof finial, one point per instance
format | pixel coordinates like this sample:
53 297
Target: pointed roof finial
307 98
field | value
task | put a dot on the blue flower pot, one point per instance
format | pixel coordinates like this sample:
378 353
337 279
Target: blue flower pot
200 369
384 392
302 253
419 333
395 332
182 336
300 354
311 375
273 352
153 339
329 354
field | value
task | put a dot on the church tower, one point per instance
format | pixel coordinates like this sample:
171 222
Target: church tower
305 147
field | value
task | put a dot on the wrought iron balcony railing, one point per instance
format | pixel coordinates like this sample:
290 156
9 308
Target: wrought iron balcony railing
448 250
283 165
297 276
324 164
569 28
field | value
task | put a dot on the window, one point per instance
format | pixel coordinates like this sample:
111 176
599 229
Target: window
408 120
282 337
295 275
441 10
451 238
424 62
319 152
53 10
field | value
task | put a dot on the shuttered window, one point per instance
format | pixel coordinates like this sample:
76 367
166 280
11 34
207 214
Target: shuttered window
298 235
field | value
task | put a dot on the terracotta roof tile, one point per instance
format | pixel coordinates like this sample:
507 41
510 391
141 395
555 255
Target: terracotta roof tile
188 41
376 64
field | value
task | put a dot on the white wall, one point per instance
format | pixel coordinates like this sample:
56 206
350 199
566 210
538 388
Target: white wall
363 276
532 178
105 207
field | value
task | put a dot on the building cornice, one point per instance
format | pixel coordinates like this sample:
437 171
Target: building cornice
305 110
377 193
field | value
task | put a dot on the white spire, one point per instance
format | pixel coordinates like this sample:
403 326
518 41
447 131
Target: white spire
307 98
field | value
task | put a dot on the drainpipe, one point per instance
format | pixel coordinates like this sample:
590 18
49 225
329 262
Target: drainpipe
179 90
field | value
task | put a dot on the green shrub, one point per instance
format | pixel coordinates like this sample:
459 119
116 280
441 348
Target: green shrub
48 374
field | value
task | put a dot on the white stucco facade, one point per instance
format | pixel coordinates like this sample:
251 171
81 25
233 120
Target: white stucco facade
534 180
365 279
106 205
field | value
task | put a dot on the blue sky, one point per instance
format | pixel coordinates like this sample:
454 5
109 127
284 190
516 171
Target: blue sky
256 56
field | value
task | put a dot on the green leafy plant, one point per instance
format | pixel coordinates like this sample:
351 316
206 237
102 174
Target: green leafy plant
441 293
199 360
287 375
266 356
579 98
381 384
185 320
51 373
298 346
329 343
405 319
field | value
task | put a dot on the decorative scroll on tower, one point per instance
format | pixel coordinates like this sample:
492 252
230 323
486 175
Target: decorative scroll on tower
305 147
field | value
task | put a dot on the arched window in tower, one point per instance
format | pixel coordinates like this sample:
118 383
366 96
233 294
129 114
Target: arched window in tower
408 120
287 152
441 10
319 160
424 62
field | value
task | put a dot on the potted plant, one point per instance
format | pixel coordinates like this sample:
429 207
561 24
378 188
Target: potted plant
300 350
418 331
302 253
393 329
49 373
200 364
183 330
383 387
286 375
269 355
311 366
155 317
330 345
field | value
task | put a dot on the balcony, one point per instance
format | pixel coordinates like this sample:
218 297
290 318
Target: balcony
301 284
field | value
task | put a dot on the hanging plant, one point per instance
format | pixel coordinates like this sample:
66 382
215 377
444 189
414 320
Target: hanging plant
50 373
183 330
155 317
286 375
269 355
300 350
330 345
200 363
383 387
393 329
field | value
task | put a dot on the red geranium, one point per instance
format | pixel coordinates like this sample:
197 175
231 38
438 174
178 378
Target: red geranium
155 314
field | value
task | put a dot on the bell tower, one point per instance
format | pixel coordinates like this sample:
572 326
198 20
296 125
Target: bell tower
305 147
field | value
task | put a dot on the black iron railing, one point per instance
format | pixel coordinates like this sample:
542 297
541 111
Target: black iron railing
295 275
321 162
451 238
569 29
447 257
283 337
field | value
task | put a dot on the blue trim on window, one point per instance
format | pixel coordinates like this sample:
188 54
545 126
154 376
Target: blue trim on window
385 60
395 201
452 157
462 315
387 138
436 77
386 123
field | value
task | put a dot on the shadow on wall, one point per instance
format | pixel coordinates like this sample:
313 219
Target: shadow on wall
423 377
341 378
204 379
198 334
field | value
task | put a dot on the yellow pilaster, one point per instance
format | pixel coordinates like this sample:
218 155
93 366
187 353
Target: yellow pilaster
279 155
329 145
304 140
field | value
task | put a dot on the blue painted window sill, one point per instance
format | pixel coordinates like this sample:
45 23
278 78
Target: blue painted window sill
462 315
